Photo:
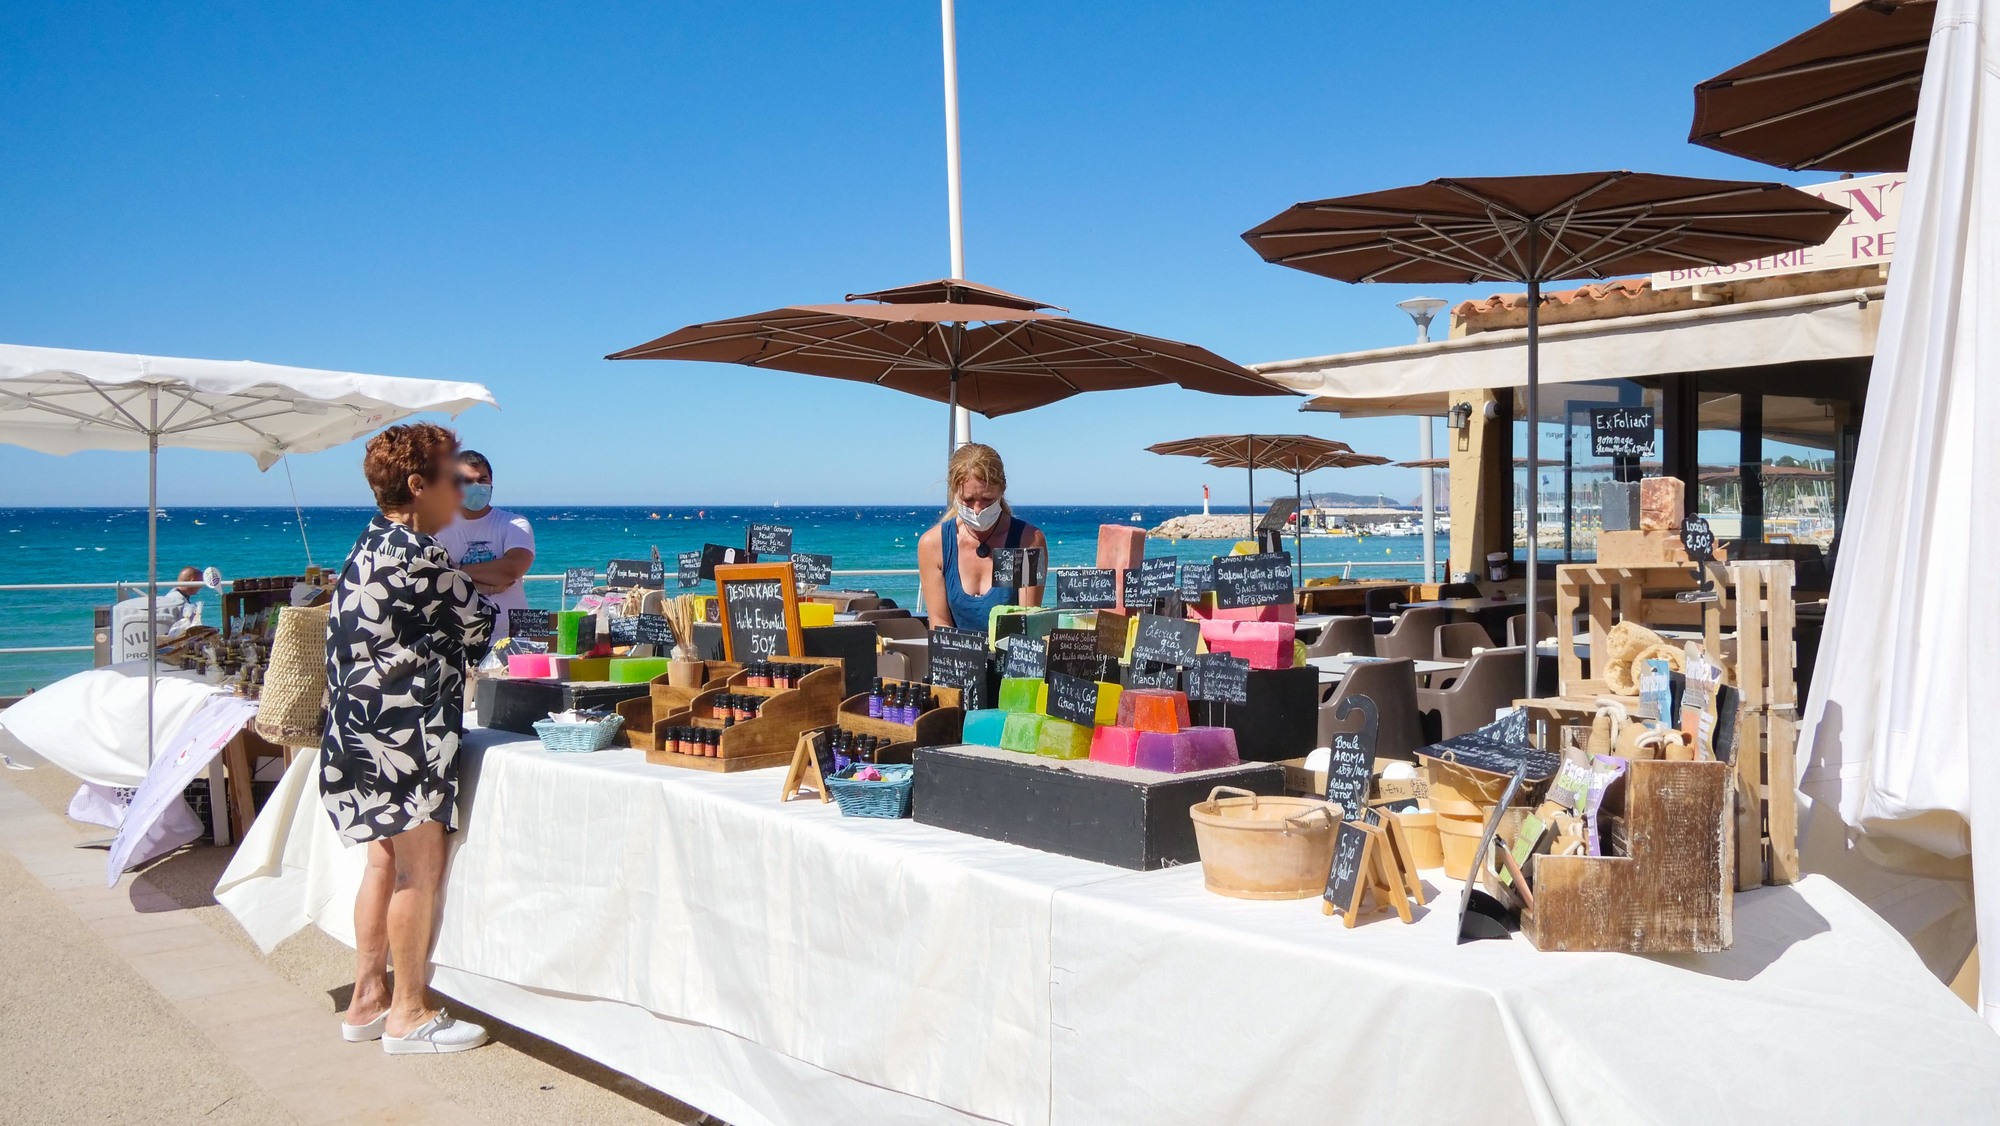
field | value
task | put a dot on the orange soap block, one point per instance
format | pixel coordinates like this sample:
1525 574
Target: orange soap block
1153 709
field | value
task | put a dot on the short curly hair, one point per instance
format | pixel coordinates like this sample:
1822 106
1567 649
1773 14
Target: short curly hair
422 449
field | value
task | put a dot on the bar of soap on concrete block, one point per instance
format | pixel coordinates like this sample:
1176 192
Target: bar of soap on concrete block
1620 505
1662 500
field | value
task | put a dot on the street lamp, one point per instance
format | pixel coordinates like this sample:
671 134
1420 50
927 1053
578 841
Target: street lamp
1421 310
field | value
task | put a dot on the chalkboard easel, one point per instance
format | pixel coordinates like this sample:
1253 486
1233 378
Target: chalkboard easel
759 611
1364 864
812 761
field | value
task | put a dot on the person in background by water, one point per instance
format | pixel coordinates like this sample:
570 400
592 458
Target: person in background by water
956 556
403 624
493 546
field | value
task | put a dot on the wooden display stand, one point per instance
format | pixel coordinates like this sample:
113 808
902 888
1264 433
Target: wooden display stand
769 739
941 726
1673 893
646 715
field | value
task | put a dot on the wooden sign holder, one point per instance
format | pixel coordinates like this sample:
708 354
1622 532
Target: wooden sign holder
760 743
1381 876
1401 862
804 776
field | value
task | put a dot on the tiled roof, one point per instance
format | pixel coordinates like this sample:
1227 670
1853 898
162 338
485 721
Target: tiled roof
1623 289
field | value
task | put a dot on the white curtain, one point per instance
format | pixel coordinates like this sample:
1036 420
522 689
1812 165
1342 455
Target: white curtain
1901 762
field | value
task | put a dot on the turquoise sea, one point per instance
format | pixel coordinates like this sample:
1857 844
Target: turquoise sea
66 545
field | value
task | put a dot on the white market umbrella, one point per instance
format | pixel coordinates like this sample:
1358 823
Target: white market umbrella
62 400
1898 764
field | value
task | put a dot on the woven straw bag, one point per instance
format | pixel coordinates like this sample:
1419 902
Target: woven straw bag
292 710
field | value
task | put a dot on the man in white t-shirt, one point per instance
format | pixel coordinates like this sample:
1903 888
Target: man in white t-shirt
492 545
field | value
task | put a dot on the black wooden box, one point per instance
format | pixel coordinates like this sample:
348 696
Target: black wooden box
1114 815
515 705
1281 720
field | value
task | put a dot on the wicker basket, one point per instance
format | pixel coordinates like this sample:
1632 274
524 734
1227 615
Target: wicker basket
291 710
578 738
888 798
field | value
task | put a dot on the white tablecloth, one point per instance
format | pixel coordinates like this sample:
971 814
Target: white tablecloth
775 962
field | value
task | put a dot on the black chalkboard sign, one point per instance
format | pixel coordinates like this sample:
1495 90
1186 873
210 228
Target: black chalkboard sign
1497 748
626 574
530 623
579 581
1351 768
1219 678
1621 432
1349 870
1025 658
1112 630
1166 641
715 555
1074 651
1278 517
1252 580
1086 588
760 612
1073 698
688 569
822 752
812 570
624 630
958 660
1152 578
1018 567
1146 674
768 539
586 635
1197 579
657 631
1698 538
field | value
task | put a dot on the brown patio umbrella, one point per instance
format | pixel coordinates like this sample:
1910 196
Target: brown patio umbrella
1536 229
955 342
1297 454
1839 97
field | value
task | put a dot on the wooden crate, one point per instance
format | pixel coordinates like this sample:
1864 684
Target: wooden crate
769 739
1754 602
942 726
1767 815
1674 893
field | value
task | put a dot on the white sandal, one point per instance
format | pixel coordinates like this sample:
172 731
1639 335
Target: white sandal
362 1033
437 1036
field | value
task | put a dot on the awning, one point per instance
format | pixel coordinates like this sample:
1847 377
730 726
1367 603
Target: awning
1418 379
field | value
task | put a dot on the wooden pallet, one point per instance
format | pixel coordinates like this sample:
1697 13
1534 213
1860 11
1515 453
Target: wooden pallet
1767 817
1754 602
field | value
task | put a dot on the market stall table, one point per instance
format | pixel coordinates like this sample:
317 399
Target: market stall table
776 963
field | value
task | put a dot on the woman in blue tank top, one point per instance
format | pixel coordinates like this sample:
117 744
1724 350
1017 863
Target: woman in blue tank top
956 557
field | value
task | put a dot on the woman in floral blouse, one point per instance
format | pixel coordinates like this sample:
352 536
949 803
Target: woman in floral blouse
402 627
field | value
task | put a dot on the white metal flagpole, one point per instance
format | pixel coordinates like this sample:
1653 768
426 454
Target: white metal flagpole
961 419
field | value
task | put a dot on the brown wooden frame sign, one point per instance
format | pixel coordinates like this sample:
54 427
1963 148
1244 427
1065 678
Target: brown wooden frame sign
788 589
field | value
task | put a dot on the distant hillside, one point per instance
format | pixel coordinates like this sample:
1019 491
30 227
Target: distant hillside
1350 500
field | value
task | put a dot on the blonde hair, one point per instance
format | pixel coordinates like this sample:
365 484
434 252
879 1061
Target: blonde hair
969 461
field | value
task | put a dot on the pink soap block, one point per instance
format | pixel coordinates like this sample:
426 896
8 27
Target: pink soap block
1159 751
1153 709
1115 746
1282 612
1212 747
1120 548
1266 645
528 665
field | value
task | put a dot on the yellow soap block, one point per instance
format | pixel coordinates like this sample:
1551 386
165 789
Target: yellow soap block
1062 739
815 614
1107 708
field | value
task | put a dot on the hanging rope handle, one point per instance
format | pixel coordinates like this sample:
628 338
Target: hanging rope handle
1236 790
1303 822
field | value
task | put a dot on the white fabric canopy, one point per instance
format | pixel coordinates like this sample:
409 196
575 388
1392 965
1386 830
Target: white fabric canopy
1417 378
61 401
1903 775
779 963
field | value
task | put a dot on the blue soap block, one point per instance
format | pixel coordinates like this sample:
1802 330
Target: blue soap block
984 725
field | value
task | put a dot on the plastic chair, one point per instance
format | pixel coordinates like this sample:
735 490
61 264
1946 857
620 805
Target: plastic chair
1414 635
1490 682
892 666
880 614
1382 602
1456 641
904 627
1354 635
1393 687
1545 626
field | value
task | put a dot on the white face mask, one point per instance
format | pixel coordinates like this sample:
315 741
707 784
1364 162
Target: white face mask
983 520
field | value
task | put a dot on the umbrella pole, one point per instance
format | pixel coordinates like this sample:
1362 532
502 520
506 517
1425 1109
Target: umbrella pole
152 562
1299 527
1534 464
1250 466
951 419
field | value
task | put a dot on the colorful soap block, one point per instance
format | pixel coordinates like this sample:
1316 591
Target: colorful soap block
1266 645
1076 619
1022 732
1020 694
584 670
636 670
1212 747
1115 746
528 664
983 727
815 614
1662 504
1157 750
1280 612
1119 548
1153 709
1063 739
1108 696
567 622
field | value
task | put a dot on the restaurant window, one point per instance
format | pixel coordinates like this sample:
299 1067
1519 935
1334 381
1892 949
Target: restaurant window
1570 480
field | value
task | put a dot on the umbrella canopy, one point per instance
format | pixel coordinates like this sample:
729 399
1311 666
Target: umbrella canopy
1840 97
956 342
1297 454
1536 229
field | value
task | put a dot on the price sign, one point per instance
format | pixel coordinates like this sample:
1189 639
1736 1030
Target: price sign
768 539
1497 748
1621 432
626 574
530 623
1351 846
1698 538
1025 658
1197 579
715 555
1086 588
1146 674
1166 641
812 570
624 630
586 635
958 660
1152 578
579 581
688 569
1351 768
760 612
1253 580
1074 651
1112 630
1073 698
657 631
1219 678
1019 567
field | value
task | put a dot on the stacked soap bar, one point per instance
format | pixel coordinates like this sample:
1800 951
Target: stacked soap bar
1006 621
1062 739
528 665
1115 746
984 727
1022 731
1197 748
567 622
1280 612
636 670
1153 709
1119 548
1108 697
1018 694
585 669
1266 645
1662 501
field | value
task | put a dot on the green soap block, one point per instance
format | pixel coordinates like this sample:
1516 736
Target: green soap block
567 623
1004 621
1018 694
1076 619
1023 732
1038 623
637 670
1062 739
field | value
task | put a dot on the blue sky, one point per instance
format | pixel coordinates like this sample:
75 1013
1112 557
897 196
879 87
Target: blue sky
505 192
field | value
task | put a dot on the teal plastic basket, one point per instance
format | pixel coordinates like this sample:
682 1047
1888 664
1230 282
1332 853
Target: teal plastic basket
578 738
888 798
